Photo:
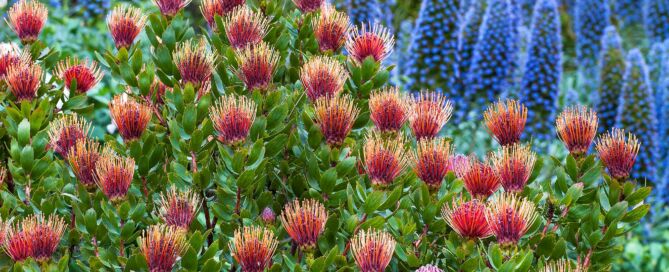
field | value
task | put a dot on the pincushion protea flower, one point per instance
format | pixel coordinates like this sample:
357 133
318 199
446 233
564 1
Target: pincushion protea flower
27 18
330 28
385 159
212 8
245 27
129 116
233 117
170 8
457 161
372 250
195 62
35 236
373 41
304 221
335 117
506 121
577 127
431 111
267 216
113 174
253 248
83 158
479 177
24 80
429 268
510 217
618 153
125 23
256 66
562 265
177 209
467 218
323 77
514 165
65 131
85 73
431 161
307 6
10 56
161 246
157 91
389 109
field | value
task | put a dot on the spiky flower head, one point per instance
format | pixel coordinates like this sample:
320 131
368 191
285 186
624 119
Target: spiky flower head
256 66
389 109
510 217
330 28
457 161
253 248
514 165
157 91
233 117
10 56
24 80
178 208
467 218
65 131
372 250
304 221
170 8
307 6
268 216
335 117
562 265
85 73
385 159
35 236
431 161
323 77
431 111
130 116
212 8
618 152
577 127
83 157
195 62
429 268
479 177
113 174
27 18
370 40
161 246
125 22
245 27
506 121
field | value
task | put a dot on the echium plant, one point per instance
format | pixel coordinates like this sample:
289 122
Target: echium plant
469 34
260 146
611 72
590 21
656 19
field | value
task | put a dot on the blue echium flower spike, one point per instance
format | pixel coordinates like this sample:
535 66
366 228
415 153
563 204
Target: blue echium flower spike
611 71
629 12
656 19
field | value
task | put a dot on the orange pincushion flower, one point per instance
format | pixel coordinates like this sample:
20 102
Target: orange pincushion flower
27 19
335 117
372 250
65 132
85 73
467 218
307 6
506 121
618 153
577 127
431 161
373 41
129 116
510 217
83 158
256 66
385 159
161 246
514 164
479 177
212 8
253 248
114 175
562 265
170 8
35 236
304 221
389 109
11 56
24 80
125 23
195 62
431 111
245 27
178 209
330 28
233 117
323 77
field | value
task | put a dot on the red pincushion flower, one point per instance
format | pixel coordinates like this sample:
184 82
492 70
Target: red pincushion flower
35 236
330 28
389 109
65 132
480 178
335 116
245 27
431 161
177 209
467 218
85 73
323 77
385 159
83 158
212 8
373 41
233 117
514 165
577 127
304 221
125 23
170 8
195 62
253 248
27 18
11 56
24 80
129 116
431 111
510 218
307 6
256 66
114 175
618 153
157 91
372 250
161 246
506 121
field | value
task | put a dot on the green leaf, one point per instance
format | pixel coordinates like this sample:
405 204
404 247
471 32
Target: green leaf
616 212
328 181
27 158
24 132
372 202
571 168
636 214
189 120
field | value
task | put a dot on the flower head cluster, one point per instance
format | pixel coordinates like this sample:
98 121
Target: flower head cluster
24 80
467 218
618 152
11 56
27 18
178 208
506 121
170 8
245 27
389 109
330 29
510 217
577 127
256 66
323 77
83 157
431 111
479 177
114 174
385 159
233 117
83 74
307 6
431 161
195 62
335 117
161 246
125 23
514 165
253 248
304 221
372 250
129 116
268 216
429 268
212 8
35 236
373 41
65 132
